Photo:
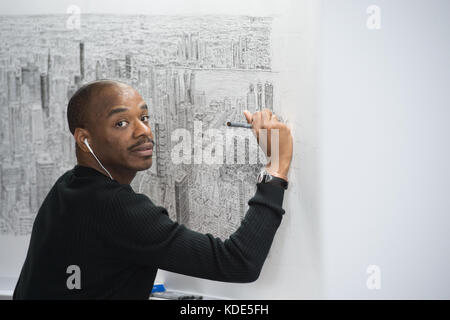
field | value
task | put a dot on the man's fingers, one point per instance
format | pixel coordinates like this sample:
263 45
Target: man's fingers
257 119
268 113
248 116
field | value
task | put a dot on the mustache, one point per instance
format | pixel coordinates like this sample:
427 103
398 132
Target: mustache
142 142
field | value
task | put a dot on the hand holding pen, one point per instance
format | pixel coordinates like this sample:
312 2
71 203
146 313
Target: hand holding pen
265 123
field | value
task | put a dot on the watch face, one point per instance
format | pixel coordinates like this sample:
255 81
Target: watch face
260 177
264 177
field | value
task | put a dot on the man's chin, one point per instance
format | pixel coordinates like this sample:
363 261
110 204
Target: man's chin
145 165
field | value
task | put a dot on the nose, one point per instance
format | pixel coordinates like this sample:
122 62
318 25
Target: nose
143 129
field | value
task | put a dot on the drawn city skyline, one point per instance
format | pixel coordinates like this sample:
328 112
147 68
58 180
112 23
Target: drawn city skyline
199 68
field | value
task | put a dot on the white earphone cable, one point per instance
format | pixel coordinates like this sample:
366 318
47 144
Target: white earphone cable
87 144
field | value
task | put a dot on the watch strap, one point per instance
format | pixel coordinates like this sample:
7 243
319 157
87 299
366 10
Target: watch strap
278 182
265 177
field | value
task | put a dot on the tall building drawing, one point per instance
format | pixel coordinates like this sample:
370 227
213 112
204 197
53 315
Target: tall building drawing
18 88
98 71
186 86
37 125
11 180
45 168
128 66
82 60
268 95
192 87
182 198
44 94
49 70
236 54
251 99
15 127
161 143
12 92
259 94
176 91
31 82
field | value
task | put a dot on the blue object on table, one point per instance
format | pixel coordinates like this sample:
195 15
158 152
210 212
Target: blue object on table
158 287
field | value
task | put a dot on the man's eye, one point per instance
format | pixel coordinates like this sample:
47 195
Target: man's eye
118 124
147 117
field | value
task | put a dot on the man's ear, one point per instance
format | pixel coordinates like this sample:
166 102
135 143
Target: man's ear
80 134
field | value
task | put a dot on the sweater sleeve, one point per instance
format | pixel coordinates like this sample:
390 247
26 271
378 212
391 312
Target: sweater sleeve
139 232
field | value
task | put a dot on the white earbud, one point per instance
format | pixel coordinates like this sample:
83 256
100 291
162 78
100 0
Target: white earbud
89 147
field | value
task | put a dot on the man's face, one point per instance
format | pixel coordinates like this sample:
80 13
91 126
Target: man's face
122 129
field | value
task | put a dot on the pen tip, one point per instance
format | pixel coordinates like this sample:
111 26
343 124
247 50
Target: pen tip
228 123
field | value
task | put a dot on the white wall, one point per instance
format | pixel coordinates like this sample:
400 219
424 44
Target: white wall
384 107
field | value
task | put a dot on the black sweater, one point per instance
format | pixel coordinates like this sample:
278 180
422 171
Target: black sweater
118 239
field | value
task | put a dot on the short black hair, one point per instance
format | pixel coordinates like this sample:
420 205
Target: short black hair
80 103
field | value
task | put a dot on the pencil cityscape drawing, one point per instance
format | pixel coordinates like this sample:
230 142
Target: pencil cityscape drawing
187 68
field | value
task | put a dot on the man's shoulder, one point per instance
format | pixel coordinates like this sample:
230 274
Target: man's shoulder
90 183
125 195
100 191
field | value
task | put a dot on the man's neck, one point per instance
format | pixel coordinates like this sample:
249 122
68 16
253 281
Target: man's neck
122 176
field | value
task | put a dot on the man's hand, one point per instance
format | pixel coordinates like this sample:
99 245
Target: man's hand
278 165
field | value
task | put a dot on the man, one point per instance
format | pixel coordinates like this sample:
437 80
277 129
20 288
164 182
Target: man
95 238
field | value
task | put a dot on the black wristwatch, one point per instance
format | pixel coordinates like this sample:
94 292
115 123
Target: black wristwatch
265 177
